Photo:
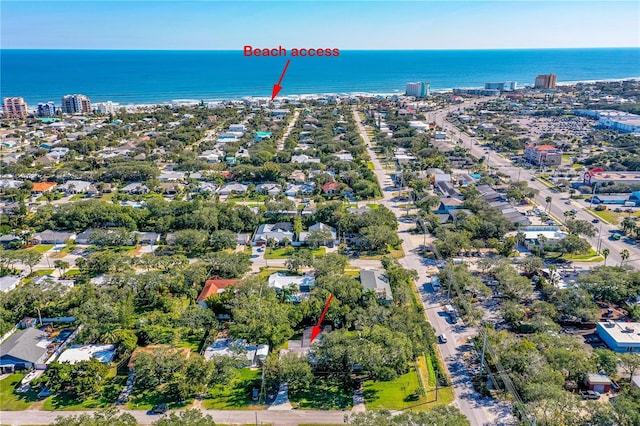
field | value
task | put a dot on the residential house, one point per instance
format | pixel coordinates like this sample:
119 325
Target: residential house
135 188
24 349
42 187
377 281
148 238
249 355
297 176
233 187
46 160
52 237
542 236
294 190
213 286
448 204
635 382
84 237
8 283
448 190
243 239
321 227
269 188
277 231
10 184
171 176
304 159
171 188
330 187
10 240
211 156
75 187
207 187
343 156
78 353
280 281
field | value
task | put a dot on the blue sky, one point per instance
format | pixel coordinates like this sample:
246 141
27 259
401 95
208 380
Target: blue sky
214 25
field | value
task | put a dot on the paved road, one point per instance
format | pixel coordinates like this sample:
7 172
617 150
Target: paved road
478 410
557 206
277 418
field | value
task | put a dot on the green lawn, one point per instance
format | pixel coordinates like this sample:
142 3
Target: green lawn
105 397
41 248
285 252
237 394
591 256
323 394
612 217
266 271
71 273
63 252
403 393
391 252
11 401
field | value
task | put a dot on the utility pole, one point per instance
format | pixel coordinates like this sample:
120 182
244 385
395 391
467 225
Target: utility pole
484 347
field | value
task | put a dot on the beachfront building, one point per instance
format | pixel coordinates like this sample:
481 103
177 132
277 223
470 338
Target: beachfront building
107 107
419 89
545 81
46 110
507 86
14 108
543 155
76 104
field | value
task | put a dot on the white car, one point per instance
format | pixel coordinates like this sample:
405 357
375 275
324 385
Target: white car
442 338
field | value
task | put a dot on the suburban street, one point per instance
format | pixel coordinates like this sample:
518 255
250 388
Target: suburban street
276 418
557 206
479 411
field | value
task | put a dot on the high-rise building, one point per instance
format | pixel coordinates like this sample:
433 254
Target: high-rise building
545 81
46 110
107 107
419 89
76 104
14 108
507 86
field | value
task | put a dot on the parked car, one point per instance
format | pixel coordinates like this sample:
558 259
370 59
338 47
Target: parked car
590 394
442 338
159 409
595 221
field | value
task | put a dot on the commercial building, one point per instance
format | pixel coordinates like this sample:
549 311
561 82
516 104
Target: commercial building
599 177
544 155
14 108
620 336
419 89
476 92
76 104
507 86
107 107
545 81
621 121
46 110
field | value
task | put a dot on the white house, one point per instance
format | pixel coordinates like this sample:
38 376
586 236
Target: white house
75 186
303 283
269 188
238 188
304 159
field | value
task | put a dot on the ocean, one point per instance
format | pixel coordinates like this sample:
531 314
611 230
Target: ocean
162 76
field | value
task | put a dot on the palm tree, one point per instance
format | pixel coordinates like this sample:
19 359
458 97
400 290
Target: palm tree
548 201
605 254
542 239
624 254
627 223
61 265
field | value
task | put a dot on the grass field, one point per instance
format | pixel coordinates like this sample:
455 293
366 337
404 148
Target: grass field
612 217
285 252
11 401
591 256
41 248
237 394
323 394
391 252
404 392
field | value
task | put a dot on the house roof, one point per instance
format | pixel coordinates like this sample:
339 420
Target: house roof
27 345
185 352
214 286
42 186
377 281
329 186
280 281
598 379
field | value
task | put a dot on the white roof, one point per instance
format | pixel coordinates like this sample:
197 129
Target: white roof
8 282
77 353
625 333
549 235
281 281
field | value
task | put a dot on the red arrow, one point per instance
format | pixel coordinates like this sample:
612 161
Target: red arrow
316 328
277 87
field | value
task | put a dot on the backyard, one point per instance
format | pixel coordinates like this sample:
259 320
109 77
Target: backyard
236 395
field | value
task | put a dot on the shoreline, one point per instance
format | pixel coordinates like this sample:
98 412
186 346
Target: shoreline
313 96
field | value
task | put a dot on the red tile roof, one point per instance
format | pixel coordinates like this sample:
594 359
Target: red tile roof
214 286
544 147
42 186
332 185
